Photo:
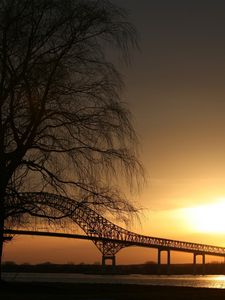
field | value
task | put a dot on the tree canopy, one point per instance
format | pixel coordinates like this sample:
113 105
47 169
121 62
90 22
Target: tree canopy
64 128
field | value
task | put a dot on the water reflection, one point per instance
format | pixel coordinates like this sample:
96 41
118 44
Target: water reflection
208 281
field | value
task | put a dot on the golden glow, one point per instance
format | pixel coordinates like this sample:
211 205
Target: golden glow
208 218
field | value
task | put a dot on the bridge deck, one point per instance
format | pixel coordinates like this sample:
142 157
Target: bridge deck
140 240
108 237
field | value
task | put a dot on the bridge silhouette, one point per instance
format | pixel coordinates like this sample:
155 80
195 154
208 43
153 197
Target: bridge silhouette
107 237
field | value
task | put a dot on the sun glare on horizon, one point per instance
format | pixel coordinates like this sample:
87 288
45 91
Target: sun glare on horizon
208 218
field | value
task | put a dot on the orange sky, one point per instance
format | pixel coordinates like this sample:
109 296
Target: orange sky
175 89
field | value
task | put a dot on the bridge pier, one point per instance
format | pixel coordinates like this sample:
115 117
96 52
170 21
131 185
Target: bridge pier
159 261
194 262
203 264
112 258
168 262
224 265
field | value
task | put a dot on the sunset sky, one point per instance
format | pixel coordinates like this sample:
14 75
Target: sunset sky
175 89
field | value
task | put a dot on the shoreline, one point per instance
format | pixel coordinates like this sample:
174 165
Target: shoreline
88 291
144 269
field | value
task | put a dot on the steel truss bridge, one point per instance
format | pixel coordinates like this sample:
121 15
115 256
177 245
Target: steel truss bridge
107 237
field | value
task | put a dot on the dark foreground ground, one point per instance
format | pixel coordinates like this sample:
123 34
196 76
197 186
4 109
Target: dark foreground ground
39 291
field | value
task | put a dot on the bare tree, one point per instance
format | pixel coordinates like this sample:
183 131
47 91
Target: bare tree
63 126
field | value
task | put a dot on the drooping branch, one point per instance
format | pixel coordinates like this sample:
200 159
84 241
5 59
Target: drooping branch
63 125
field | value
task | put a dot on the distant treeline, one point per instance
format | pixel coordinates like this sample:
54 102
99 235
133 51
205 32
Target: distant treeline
147 268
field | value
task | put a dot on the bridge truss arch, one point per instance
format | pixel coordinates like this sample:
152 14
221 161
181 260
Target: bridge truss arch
93 224
108 237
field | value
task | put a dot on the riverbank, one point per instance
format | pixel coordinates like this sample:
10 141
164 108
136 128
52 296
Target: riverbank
149 268
69 291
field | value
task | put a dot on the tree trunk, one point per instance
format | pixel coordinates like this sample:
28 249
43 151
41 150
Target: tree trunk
2 221
1 245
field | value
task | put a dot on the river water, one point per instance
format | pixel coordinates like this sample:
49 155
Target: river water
207 281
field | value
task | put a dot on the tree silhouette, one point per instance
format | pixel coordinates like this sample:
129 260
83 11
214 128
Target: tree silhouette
63 126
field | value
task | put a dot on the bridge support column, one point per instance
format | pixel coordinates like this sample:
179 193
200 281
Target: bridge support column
203 264
194 263
112 258
224 265
168 262
159 261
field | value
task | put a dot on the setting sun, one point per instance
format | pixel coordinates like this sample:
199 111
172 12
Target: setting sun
209 218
